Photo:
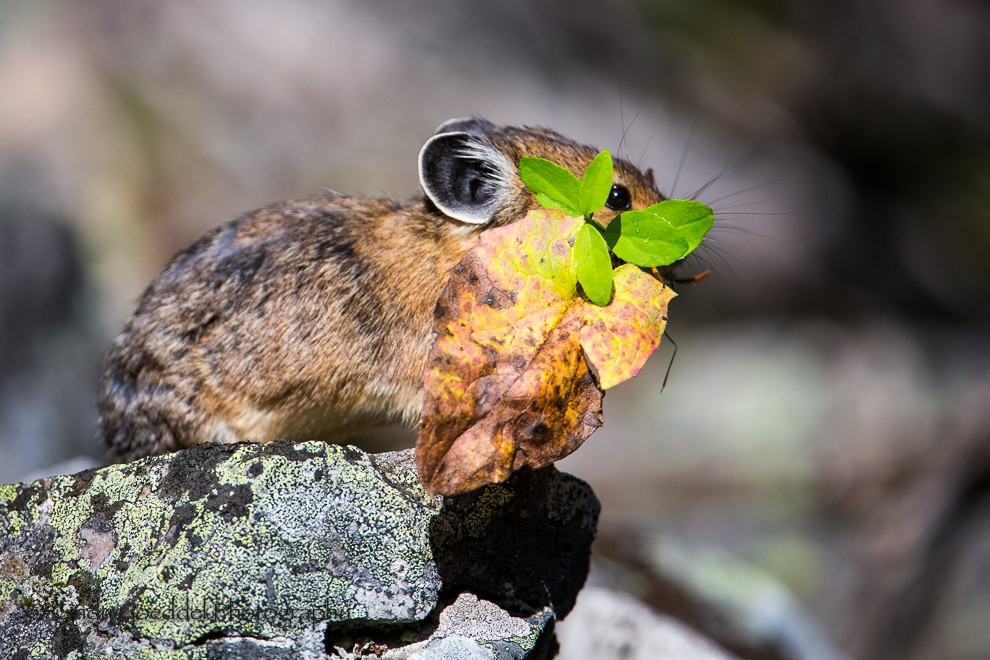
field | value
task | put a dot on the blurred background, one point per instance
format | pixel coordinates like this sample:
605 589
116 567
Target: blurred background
827 418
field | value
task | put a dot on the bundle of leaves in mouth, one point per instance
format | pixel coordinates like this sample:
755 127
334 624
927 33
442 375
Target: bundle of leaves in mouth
520 359
650 238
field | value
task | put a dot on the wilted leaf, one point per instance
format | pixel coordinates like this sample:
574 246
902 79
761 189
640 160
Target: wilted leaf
618 339
508 383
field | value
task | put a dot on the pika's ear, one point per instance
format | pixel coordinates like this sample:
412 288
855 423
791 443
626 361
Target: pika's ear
467 178
472 125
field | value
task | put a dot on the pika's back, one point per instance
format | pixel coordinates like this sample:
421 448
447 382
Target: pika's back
312 318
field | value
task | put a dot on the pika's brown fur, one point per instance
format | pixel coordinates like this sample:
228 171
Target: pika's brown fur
312 318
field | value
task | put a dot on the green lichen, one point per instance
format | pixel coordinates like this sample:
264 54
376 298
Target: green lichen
249 541
41 650
8 492
537 624
239 555
491 500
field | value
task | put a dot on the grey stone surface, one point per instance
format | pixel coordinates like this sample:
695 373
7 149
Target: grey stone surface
467 628
287 550
609 625
740 605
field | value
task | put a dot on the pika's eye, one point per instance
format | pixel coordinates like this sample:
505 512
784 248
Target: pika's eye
619 198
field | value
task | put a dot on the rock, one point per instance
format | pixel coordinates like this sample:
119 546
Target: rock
729 601
288 550
51 334
609 625
468 628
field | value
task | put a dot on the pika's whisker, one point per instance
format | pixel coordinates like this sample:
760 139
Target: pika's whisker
744 190
731 213
729 228
649 140
739 205
625 131
725 169
680 166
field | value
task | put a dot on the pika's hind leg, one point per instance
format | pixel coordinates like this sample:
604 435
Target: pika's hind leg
144 414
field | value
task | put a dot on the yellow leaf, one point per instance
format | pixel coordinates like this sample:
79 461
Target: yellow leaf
508 383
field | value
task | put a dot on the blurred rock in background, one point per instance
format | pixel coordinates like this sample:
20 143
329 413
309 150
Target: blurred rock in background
826 418
49 342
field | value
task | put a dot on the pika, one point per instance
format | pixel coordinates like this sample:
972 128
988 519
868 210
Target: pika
311 319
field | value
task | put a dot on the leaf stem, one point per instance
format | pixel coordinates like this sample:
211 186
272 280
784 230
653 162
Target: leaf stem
594 223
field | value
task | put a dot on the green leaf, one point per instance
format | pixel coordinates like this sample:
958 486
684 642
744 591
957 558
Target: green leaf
613 231
644 239
593 265
661 234
555 187
597 183
549 202
692 219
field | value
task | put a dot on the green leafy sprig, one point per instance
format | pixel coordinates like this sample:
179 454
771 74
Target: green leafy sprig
650 238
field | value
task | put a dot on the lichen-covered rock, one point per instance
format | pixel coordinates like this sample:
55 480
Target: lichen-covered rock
465 629
287 549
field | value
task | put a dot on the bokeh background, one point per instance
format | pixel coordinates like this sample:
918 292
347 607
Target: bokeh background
827 417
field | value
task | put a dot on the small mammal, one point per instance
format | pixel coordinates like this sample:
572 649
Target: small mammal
312 318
